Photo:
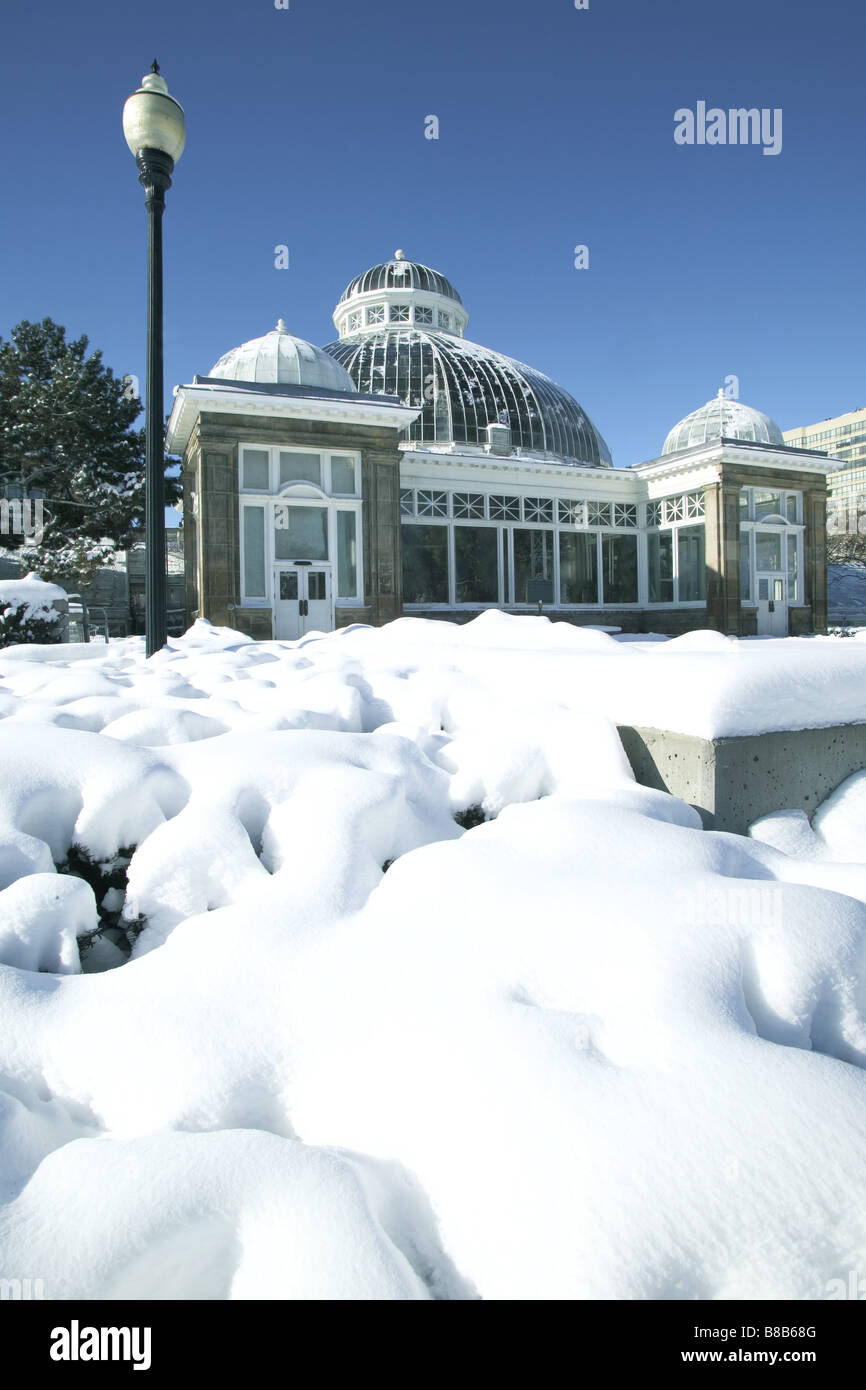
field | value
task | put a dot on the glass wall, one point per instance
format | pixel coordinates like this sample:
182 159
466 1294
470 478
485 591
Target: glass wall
475 548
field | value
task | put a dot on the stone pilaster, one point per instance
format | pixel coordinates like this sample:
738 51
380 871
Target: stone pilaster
722 530
383 586
815 554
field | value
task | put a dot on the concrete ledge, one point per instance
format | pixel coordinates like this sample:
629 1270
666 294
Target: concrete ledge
733 781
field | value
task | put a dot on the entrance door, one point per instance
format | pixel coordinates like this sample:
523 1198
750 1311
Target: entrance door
302 600
772 605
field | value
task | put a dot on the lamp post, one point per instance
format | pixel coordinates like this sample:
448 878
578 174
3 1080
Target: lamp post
155 131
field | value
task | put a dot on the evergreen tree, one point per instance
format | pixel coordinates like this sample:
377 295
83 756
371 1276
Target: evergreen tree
66 435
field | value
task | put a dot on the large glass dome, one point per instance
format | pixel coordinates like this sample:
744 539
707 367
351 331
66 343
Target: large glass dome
401 327
720 418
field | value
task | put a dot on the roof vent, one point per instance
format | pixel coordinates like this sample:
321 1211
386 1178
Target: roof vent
499 438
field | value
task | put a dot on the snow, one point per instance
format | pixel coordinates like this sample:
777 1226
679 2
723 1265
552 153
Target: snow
32 595
583 1049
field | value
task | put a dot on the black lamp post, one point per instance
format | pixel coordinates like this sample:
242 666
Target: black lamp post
155 131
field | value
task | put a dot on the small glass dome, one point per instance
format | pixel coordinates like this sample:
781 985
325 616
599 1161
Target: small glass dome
279 357
720 418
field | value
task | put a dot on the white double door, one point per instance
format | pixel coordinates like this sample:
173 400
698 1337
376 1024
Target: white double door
772 605
303 600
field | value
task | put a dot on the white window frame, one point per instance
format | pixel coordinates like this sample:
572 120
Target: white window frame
298 494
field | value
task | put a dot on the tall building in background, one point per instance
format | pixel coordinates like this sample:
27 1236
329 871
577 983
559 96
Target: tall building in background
842 437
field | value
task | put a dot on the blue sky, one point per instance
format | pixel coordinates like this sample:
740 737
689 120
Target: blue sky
306 127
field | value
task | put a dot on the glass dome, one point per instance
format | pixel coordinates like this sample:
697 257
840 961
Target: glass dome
722 417
401 334
462 388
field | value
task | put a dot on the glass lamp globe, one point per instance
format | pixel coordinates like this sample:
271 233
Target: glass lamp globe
153 120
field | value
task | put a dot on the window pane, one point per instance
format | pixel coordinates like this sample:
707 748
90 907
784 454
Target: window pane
256 469
300 468
767 504
288 586
342 476
692 568
578 568
425 564
538 509
660 565
254 552
793 569
533 559
477 565
745 567
619 568
768 551
316 587
791 506
504 508
301 533
347 556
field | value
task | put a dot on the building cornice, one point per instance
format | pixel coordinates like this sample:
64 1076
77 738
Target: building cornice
771 456
191 401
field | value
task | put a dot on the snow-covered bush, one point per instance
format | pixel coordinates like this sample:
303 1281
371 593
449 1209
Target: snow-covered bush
29 611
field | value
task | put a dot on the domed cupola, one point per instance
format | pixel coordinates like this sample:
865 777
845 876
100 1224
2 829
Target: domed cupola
399 292
281 358
401 329
721 418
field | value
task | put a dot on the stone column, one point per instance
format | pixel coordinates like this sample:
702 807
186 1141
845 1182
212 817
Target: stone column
722 530
190 486
383 564
815 554
219 584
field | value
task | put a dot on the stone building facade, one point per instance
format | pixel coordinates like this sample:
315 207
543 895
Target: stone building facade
404 469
